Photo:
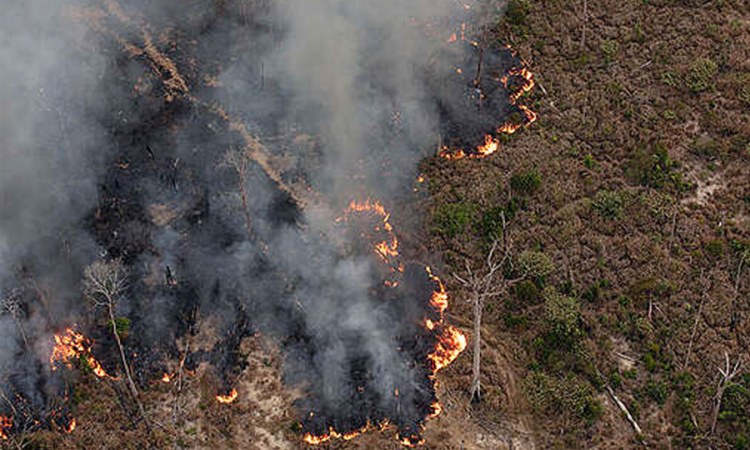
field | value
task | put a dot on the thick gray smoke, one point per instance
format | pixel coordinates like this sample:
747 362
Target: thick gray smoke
109 151
50 146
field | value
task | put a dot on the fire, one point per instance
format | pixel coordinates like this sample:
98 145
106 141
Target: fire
491 143
70 346
387 249
226 399
6 423
450 341
71 426
166 378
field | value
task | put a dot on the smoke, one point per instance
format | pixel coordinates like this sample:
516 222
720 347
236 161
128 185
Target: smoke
51 146
112 146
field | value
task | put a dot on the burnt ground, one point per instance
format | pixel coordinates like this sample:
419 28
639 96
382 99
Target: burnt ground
641 205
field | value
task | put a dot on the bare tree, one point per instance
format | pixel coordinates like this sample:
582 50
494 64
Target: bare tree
11 304
482 286
103 282
727 375
240 161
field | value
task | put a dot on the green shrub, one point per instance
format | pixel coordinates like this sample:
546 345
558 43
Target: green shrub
609 47
654 168
122 325
608 204
569 395
588 161
743 94
671 79
715 249
535 265
527 293
452 219
516 12
492 218
562 315
526 183
657 391
700 76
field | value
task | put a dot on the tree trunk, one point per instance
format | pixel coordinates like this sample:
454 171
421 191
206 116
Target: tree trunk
476 394
131 384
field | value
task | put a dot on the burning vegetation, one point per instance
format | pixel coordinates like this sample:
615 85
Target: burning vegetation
249 231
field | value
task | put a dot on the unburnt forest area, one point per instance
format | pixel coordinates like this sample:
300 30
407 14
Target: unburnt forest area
597 260
624 313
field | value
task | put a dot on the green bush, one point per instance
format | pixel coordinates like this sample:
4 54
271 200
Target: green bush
671 79
526 183
609 47
608 204
492 218
535 265
527 293
452 219
715 249
700 76
516 12
562 315
569 395
654 168
657 391
122 325
735 410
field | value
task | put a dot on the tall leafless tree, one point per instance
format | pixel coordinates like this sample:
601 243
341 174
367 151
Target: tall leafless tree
481 286
728 372
11 304
103 283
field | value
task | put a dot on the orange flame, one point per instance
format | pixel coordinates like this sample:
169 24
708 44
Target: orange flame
491 143
69 346
227 399
166 378
451 342
6 423
71 426
387 249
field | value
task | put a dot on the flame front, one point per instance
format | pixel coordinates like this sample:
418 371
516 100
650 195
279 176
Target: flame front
491 143
71 426
69 346
6 423
226 399
450 341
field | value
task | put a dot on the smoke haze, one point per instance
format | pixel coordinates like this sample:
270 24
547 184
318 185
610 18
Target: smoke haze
113 147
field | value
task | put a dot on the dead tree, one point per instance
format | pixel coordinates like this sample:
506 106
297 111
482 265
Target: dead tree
727 374
103 282
482 286
11 305
240 161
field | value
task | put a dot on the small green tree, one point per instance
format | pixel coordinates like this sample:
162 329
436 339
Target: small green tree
535 265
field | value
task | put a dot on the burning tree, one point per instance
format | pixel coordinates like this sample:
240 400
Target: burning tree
103 283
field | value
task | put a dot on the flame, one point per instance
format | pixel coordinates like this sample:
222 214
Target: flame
491 143
70 345
71 426
436 409
387 249
226 399
450 341
166 378
6 423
